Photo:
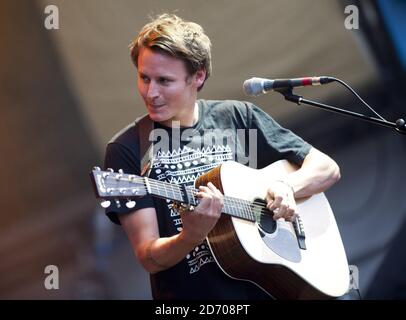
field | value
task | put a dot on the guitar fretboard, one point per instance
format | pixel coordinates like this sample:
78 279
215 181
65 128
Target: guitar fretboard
232 206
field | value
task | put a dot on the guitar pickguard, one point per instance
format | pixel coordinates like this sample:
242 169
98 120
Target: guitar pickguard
277 235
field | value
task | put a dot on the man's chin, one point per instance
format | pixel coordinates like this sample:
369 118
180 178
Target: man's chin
158 117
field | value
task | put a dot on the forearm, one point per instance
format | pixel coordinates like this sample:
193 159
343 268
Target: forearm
317 173
162 253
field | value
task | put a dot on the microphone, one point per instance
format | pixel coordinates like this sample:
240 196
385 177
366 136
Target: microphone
257 86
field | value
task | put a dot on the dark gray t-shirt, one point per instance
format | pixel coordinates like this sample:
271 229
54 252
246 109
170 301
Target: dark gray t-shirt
226 130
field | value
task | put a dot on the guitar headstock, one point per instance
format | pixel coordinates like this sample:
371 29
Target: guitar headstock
111 185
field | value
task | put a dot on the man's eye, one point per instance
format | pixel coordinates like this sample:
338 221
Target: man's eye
164 81
144 79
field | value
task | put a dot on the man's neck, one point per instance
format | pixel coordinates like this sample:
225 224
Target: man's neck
195 114
187 121
193 119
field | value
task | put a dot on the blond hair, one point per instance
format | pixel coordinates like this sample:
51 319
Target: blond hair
179 38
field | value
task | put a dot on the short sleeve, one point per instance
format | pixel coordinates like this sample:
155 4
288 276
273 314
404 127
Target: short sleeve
276 142
118 157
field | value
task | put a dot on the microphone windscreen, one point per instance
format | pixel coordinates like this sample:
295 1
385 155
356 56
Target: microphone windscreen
253 86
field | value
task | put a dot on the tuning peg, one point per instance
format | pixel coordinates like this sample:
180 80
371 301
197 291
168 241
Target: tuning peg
96 169
130 204
120 171
105 204
111 170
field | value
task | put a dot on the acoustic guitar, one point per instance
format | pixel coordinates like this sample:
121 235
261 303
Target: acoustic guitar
303 259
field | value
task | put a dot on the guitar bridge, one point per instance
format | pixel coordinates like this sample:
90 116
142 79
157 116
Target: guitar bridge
300 234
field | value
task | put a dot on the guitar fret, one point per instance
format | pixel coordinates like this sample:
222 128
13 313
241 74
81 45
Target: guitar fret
235 207
232 206
190 195
246 209
166 190
250 214
238 208
238 204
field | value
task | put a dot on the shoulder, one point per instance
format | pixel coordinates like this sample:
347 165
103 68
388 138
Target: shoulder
231 109
124 134
230 105
126 138
122 149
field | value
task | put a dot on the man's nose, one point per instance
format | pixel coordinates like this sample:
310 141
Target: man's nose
153 90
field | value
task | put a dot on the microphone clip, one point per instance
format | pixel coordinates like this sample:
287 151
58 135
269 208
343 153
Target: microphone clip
289 95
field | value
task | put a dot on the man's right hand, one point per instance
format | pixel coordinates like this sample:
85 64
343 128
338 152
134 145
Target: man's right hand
198 223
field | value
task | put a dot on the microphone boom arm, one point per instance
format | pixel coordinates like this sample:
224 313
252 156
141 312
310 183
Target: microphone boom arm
399 126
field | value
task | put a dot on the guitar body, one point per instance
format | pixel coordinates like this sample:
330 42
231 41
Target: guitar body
270 257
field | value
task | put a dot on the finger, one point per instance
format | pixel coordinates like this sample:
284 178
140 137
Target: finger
211 186
204 189
276 203
217 203
217 195
270 196
289 214
292 211
214 189
200 194
275 214
282 211
269 203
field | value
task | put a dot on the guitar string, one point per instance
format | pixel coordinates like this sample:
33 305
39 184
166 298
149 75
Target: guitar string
165 185
261 207
157 185
238 202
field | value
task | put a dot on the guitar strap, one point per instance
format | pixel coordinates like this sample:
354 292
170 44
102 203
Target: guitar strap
144 125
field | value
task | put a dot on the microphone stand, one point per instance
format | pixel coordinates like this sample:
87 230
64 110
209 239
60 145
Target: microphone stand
399 126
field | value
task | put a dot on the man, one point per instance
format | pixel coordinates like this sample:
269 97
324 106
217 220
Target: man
173 60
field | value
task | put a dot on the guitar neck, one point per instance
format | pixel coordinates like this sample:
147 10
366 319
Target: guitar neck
186 194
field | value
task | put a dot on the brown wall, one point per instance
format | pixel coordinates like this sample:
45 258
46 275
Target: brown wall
45 197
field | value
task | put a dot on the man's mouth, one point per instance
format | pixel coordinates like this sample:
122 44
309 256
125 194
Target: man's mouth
156 106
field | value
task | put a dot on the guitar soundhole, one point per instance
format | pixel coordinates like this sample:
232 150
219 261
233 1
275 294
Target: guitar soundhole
263 216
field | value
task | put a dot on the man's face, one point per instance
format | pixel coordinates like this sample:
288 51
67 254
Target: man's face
169 92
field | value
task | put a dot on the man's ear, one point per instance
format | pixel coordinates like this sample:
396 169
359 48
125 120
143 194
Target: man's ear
200 77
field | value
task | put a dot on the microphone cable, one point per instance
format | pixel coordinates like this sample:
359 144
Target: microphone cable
357 95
